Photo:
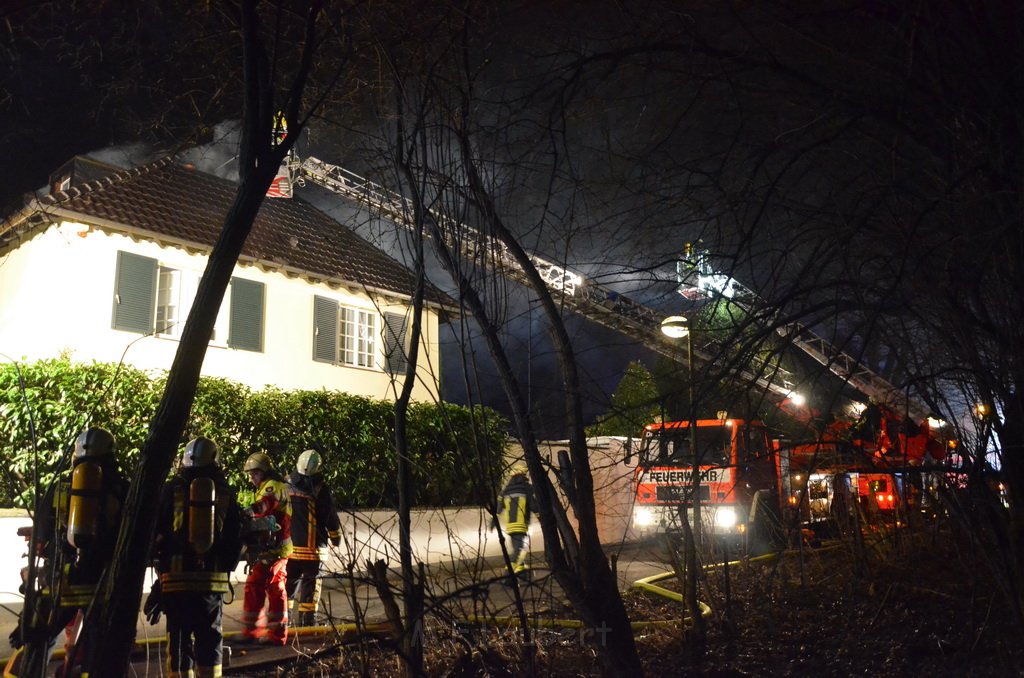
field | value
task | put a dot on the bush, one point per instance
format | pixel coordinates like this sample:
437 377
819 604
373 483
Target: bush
456 451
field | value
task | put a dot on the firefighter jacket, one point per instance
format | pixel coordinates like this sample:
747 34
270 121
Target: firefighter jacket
78 567
517 505
272 500
314 517
198 534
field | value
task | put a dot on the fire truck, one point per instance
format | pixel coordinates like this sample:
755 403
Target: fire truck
749 488
740 479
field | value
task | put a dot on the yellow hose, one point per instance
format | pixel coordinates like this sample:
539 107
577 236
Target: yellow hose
566 623
342 629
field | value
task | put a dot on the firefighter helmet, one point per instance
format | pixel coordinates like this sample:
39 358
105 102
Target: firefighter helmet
95 442
258 461
518 469
200 452
309 463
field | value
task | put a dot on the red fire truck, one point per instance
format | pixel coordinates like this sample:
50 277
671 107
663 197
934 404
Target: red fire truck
741 477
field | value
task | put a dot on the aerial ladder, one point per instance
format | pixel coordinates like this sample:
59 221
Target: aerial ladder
697 278
600 303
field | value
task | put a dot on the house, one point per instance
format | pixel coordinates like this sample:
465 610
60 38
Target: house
105 266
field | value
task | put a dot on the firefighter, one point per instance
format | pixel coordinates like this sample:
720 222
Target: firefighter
268 564
197 546
75 532
516 509
314 523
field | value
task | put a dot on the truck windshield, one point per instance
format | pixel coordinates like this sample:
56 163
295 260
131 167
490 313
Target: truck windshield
671 447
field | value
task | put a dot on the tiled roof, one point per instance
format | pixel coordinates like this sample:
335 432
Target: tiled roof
174 201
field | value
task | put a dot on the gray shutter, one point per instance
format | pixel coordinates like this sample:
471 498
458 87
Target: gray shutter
134 293
245 325
325 330
394 343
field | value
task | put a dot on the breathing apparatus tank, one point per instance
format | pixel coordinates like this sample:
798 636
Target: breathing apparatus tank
86 494
202 494
202 500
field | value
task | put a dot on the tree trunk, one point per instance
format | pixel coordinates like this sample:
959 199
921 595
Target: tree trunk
591 587
109 630
411 644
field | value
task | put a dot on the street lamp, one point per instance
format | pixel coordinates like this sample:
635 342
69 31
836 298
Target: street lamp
677 327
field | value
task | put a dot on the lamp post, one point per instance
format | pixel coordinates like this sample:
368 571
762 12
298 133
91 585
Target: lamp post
677 327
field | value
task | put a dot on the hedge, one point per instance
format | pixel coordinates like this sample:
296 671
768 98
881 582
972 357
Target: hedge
456 451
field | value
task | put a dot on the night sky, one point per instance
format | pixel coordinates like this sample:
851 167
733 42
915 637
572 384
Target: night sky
827 156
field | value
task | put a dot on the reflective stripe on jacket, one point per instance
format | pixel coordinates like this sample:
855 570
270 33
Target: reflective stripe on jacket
182 566
517 505
314 517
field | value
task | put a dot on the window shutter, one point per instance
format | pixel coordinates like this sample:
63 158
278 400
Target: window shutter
325 330
134 293
245 326
394 343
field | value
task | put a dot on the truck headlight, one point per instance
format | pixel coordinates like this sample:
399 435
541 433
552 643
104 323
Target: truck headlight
643 517
725 517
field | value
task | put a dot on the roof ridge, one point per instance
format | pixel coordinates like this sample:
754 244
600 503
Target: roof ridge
169 202
126 174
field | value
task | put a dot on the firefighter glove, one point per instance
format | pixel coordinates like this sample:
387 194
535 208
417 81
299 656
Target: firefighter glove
152 607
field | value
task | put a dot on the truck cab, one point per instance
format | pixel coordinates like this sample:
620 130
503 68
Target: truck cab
737 474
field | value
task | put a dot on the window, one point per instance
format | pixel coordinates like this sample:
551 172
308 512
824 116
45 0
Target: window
358 337
174 294
344 335
153 298
672 446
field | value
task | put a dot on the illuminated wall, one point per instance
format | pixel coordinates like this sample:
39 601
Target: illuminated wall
57 295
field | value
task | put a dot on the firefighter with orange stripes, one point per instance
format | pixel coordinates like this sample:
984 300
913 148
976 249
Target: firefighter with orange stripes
314 523
197 546
268 566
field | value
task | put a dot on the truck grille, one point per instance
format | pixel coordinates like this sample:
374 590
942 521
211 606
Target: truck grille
680 493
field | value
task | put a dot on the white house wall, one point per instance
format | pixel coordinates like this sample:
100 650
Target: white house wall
56 295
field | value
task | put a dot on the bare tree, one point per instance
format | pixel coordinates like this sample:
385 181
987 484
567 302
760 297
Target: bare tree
859 167
441 172
110 627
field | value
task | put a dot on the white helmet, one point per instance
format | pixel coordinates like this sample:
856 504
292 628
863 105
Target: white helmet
309 463
200 452
95 442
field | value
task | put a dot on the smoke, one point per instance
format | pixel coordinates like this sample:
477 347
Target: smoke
220 156
125 157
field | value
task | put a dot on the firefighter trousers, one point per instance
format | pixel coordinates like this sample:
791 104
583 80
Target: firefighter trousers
303 587
194 633
519 551
266 584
